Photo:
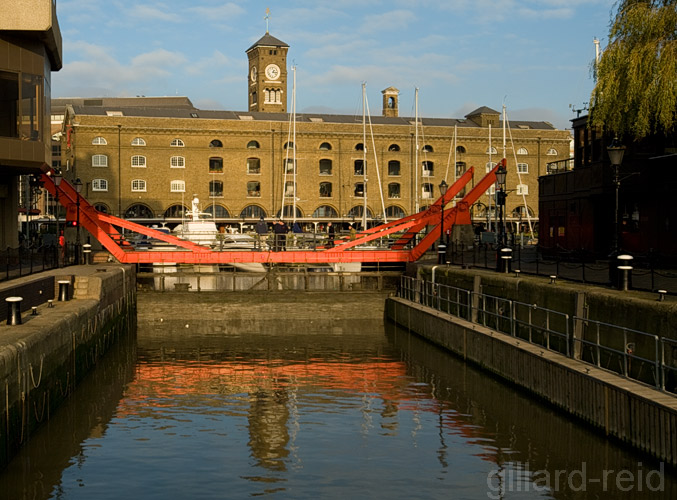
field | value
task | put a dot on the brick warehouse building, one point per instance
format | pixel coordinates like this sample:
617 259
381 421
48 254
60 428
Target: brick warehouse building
144 158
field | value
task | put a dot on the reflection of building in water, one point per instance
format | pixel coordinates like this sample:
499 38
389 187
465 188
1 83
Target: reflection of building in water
268 433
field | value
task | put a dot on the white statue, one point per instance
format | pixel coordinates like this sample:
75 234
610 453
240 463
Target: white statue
195 212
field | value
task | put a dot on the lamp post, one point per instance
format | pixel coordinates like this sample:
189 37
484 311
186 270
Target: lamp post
57 181
501 174
442 248
616 152
78 188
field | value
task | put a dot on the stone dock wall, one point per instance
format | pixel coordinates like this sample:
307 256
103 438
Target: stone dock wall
44 358
629 411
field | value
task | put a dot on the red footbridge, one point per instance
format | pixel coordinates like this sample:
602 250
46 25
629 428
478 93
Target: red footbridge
405 246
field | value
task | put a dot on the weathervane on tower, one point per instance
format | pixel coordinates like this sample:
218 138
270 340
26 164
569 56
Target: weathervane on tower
267 17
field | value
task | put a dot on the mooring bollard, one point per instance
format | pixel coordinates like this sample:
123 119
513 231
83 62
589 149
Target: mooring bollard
506 259
87 253
624 273
13 310
661 295
64 286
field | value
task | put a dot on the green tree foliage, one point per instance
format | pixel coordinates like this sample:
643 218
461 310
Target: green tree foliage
636 78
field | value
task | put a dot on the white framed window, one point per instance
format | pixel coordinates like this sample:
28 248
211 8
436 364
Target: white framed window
491 191
552 152
99 185
522 151
522 189
523 168
99 161
492 151
138 141
490 166
99 141
177 162
178 187
177 143
427 191
138 185
138 161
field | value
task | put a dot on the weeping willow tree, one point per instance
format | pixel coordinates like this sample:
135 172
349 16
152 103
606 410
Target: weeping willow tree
635 90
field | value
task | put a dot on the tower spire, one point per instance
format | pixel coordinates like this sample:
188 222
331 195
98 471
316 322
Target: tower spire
267 18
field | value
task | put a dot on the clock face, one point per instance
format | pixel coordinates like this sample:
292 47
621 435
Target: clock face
253 74
272 71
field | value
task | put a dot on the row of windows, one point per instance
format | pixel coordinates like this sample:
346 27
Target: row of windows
325 165
325 146
141 211
254 188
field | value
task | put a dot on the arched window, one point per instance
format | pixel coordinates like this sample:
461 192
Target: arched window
216 189
358 210
460 150
288 145
138 141
427 148
393 147
552 152
393 167
359 147
395 212
217 211
99 161
253 166
177 186
177 143
138 211
325 167
175 212
253 212
253 145
428 168
492 151
521 212
138 161
254 189
177 162
99 141
325 146
394 190
216 144
102 207
99 185
359 167
289 212
216 164
138 185
522 151
358 192
325 190
325 211
289 166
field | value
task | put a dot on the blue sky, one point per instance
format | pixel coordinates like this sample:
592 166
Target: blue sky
531 55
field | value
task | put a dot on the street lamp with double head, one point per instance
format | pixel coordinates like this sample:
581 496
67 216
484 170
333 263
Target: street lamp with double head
442 248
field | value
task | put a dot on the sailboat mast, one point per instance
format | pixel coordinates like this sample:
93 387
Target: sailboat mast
293 108
416 167
364 156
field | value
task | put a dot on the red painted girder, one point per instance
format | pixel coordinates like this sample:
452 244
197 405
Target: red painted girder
424 217
451 218
245 257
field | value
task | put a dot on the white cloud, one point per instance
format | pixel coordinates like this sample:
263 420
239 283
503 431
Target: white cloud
160 12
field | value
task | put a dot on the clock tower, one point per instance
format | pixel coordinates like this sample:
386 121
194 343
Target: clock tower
267 75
